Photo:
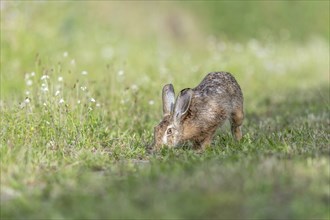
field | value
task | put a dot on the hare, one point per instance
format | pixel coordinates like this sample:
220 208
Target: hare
197 113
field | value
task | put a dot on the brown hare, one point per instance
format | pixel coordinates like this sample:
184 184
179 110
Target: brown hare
197 113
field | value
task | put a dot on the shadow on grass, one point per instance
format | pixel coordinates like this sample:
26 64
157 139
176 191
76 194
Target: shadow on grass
294 104
290 123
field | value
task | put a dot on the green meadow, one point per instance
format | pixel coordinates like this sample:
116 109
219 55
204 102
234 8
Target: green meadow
81 92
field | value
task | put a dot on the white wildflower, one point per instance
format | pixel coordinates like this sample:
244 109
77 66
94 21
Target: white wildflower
33 74
60 78
61 101
92 100
44 89
44 77
120 72
151 102
57 93
73 62
27 101
78 102
65 54
27 93
84 72
134 87
29 82
27 76
83 88
44 104
98 105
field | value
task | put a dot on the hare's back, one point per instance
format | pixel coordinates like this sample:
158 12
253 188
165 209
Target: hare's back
218 84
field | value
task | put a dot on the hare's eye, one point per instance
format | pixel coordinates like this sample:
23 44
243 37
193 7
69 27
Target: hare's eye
169 131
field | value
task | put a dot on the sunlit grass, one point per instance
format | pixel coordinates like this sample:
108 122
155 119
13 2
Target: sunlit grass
78 110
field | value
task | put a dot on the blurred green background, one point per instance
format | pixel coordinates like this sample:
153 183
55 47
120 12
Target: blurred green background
73 145
98 33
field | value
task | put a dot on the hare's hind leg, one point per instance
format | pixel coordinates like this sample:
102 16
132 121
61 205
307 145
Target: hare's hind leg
236 121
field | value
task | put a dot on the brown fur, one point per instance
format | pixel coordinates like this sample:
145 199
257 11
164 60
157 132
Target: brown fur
217 98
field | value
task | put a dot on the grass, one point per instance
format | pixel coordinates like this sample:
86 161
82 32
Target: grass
80 97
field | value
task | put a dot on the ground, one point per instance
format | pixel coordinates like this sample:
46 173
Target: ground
81 93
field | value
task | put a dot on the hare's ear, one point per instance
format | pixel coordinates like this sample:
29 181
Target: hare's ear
168 97
182 104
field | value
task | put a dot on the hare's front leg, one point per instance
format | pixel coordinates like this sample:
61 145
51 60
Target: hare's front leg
205 141
201 146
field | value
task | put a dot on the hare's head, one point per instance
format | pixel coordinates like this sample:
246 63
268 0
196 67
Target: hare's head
169 131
